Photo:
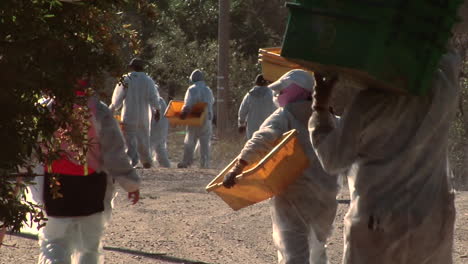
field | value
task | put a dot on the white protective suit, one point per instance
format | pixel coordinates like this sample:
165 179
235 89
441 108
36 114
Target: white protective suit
159 130
303 214
196 93
256 106
402 209
78 239
138 95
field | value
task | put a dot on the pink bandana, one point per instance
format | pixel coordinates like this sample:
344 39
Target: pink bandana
291 94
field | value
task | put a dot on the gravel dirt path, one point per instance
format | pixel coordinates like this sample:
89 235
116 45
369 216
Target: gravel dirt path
176 221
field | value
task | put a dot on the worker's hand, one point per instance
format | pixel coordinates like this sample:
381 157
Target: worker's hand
157 115
183 115
134 196
323 91
241 129
230 177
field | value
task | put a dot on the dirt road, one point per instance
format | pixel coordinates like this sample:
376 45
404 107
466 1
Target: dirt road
176 221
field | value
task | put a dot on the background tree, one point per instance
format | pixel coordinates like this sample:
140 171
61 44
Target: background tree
185 38
45 46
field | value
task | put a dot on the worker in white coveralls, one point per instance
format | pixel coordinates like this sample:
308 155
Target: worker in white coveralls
76 219
199 92
158 139
137 95
303 214
402 207
256 106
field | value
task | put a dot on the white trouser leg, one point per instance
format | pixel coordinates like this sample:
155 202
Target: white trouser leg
56 241
290 234
205 138
317 250
130 134
91 229
72 240
205 151
189 146
161 155
143 145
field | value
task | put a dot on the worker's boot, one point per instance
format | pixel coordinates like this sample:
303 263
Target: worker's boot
181 165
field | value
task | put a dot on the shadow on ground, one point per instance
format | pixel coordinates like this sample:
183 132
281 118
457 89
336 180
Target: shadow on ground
157 256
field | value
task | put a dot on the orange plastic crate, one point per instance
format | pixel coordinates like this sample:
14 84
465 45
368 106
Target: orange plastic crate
274 66
265 179
195 118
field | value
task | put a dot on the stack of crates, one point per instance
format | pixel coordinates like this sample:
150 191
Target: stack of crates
396 43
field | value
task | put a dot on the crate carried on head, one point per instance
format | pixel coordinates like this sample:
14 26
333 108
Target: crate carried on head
392 44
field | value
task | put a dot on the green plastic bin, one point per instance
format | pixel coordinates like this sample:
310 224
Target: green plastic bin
373 8
395 50
376 7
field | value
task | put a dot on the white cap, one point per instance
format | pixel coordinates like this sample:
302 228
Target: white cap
299 77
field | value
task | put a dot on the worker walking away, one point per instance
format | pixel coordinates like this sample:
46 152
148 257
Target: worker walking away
256 106
158 140
199 92
303 214
402 206
137 95
81 207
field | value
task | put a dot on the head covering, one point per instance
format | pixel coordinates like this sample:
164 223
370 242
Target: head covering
301 78
137 62
260 81
196 76
293 86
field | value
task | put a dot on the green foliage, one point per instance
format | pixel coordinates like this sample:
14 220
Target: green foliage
185 38
45 46
14 209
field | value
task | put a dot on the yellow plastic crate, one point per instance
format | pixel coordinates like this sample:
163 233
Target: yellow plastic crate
195 118
265 179
273 65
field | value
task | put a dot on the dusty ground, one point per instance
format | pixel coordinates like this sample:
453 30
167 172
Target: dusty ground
176 221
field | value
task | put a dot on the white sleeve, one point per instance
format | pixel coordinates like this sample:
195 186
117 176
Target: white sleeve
336 143
153 96
120 92
243 110
265 138
115 161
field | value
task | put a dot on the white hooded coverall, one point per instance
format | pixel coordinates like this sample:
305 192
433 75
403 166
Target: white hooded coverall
402 209
302 216
256 106
137 95
159 130
197 93
78 239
